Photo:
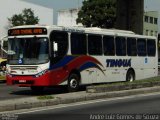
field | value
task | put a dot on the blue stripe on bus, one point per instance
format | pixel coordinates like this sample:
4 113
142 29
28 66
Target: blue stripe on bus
87 65
62 62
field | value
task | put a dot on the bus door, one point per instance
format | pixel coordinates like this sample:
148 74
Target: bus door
59 42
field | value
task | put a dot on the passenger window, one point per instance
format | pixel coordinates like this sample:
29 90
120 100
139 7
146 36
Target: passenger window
151 47
108 45
120 46
131 47
141 47
95 44
78 44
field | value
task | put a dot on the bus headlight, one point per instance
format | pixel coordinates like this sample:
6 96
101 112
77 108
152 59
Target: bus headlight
40 73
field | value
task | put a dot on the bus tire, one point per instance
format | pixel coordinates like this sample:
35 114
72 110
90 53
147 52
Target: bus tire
37 89
130 76
73 82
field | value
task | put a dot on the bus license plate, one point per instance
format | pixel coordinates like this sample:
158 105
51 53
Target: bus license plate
22 81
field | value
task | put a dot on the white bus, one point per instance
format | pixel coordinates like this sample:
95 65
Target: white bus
41 56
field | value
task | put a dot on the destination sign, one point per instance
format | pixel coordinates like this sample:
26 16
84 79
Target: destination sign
27 31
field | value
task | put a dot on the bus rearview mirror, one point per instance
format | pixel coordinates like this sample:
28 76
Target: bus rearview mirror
3 44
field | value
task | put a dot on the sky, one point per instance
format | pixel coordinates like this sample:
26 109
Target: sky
149 5
58 4
152 5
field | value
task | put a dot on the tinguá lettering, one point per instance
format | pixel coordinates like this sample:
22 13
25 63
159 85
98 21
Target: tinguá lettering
118 62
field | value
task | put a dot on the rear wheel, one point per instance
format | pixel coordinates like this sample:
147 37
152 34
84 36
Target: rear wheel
130 77
73 82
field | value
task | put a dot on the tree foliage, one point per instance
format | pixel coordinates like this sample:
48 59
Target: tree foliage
27 17
98 13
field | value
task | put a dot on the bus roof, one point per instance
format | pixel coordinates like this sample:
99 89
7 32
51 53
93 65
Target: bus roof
80 29
90 30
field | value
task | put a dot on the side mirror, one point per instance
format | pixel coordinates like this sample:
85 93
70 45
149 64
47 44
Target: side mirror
4 42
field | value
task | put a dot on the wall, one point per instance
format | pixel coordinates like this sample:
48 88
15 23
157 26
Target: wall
150 26
68 17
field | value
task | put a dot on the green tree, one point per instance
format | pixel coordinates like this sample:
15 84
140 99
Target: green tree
98 13
27 17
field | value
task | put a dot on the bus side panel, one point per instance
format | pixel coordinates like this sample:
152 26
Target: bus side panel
138 66
109 73
150 67
88 76
145 67
114 72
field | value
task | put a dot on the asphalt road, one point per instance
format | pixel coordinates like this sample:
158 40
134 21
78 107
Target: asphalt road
12 92
9 92
134 107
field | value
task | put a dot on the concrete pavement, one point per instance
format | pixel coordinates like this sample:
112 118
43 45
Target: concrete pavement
33 102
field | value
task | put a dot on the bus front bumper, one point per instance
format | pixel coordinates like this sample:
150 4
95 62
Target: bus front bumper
50 78
27 81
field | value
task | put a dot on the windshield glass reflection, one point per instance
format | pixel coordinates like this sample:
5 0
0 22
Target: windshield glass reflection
28 50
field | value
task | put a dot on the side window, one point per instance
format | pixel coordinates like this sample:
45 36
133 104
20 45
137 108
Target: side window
108 45
120 46
131 47
78 44
141 47
95 44
151 47
61 38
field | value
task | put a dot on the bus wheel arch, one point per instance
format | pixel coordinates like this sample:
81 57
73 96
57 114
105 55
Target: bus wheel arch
130 75
74 80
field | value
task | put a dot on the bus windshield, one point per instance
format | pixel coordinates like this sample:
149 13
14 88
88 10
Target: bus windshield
28 51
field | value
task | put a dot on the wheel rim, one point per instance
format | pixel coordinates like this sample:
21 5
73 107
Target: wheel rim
73 83
130 78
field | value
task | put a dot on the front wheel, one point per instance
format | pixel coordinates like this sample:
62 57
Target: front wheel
73 82
130 77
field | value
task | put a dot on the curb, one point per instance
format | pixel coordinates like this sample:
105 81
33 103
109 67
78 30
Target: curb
33 102
120 87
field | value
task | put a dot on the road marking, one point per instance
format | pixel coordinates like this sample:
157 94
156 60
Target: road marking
39 109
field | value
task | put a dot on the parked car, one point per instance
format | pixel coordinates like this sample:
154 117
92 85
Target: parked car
3 68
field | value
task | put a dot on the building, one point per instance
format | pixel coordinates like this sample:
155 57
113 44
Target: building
11 7
130 15
150 24
68 17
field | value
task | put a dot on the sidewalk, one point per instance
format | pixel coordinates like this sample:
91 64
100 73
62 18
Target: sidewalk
33 102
